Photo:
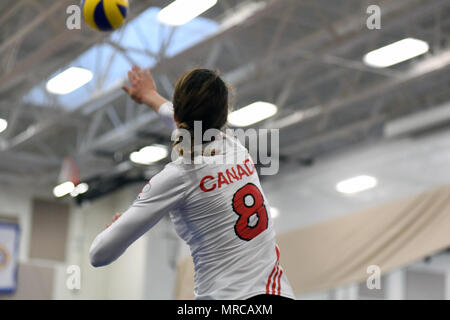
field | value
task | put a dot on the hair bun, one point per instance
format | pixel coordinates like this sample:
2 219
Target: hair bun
184 125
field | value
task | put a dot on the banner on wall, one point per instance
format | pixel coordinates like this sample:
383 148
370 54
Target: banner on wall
9 245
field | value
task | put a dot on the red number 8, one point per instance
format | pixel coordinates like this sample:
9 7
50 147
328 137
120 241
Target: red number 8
242 228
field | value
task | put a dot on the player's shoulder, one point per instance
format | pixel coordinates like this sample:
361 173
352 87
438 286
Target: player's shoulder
182 167
174 167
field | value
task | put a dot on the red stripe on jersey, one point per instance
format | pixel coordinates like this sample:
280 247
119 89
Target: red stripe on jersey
279 284
269 279
275 267
275 279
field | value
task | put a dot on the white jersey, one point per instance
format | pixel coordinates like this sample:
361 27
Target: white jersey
219 209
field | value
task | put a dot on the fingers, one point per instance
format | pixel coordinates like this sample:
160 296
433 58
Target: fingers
116 216
132 77
139 73
137 69
126 89
147 73
136 75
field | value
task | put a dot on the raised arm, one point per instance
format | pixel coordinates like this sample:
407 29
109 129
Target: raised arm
142 88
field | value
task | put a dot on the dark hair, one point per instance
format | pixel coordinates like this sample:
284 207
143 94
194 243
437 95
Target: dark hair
200 95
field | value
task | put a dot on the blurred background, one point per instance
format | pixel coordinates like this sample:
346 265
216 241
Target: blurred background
364 153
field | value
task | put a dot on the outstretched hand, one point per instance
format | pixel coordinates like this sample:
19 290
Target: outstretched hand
142 84
142 88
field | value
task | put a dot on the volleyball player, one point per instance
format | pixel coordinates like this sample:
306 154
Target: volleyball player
217 207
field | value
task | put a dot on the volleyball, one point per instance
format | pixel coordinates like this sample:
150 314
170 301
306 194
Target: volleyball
104 15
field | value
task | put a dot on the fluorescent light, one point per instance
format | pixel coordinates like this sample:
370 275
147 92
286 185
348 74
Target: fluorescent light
274 212
3 125
356 184
251 114
180 12
245 11
63 189
69 80
396 52
80 189
150 154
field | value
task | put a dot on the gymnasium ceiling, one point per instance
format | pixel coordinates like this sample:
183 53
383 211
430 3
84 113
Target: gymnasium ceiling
303 55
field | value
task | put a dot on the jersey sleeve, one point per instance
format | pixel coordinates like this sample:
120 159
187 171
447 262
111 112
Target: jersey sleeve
162 194
165 113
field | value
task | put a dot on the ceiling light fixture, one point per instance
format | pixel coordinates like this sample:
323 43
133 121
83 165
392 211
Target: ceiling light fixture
181 12
69 80
3 125
252 113
63 189
396 52
149 155
356 184
80 189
